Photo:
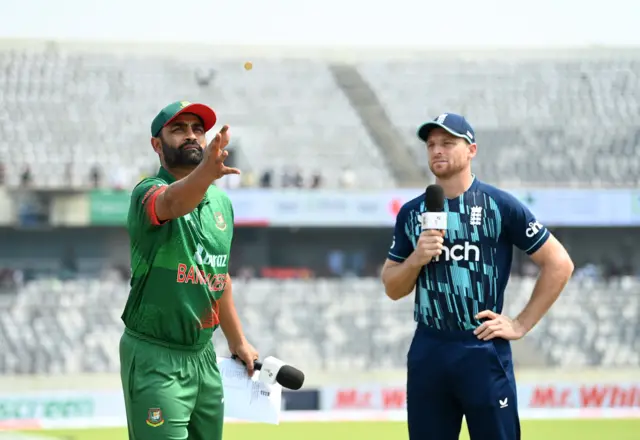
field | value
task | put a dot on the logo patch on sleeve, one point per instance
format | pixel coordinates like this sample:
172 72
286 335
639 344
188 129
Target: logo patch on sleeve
220 221
154 417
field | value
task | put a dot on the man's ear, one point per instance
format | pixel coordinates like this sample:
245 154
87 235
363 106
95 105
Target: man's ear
156 144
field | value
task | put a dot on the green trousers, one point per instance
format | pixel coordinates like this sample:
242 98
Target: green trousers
170 393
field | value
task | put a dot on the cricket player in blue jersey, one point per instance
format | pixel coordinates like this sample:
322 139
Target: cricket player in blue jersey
459 363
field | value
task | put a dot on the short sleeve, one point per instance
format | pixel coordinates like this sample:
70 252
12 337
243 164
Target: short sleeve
523 229
401 245
143 201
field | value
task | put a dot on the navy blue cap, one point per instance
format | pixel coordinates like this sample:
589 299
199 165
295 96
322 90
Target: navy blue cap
455 124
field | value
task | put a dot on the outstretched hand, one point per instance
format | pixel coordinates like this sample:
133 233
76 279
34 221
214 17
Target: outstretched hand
215 154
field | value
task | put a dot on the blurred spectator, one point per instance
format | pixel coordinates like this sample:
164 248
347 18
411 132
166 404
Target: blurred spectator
287 178
2 174
336 262
316 180
26 178
266 180
297 179
204 78
96 176
348 178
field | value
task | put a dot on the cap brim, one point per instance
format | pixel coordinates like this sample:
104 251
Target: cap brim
425 129
204 112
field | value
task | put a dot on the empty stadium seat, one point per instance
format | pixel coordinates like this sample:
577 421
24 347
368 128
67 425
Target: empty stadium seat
539 120
333 325
76 110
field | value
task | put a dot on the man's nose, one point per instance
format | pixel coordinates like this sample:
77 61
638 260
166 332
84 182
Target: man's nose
191 134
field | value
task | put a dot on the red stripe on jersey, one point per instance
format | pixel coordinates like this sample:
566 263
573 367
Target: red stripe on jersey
150 205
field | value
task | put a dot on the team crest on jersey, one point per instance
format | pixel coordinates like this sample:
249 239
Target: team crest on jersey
476 216
220 222
154 417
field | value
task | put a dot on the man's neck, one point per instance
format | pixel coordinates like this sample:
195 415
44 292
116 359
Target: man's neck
456 185
180 172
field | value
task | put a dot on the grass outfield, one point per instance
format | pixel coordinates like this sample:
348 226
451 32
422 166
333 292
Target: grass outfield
531 430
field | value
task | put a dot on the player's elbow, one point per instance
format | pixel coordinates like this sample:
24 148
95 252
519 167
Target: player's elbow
394 290
397 284
566 265
395 295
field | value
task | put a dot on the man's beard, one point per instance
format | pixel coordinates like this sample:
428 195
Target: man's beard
448 172
181 157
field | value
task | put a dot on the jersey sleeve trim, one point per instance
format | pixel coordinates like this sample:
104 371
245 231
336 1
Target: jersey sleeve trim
395 258
538 244
149 202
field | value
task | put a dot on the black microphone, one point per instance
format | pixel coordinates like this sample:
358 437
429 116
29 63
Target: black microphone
274 370
435 217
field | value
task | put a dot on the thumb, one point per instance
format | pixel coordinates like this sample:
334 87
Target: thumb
227 170
250 367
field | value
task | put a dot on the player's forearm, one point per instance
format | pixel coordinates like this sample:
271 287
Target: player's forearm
229 319
400 280
551 281
183 196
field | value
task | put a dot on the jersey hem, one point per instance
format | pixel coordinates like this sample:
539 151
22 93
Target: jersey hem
161 343
395 258
538 244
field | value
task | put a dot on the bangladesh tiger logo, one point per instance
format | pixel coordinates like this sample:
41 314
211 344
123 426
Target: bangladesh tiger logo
220 222
154 417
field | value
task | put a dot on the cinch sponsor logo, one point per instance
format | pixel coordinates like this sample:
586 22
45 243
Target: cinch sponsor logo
207 259
533 229
459 252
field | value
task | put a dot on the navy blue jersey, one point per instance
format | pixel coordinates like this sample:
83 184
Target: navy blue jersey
483 225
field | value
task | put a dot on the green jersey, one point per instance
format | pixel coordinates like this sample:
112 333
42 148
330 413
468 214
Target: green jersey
178 267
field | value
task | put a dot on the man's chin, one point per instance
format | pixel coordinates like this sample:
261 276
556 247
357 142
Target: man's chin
442 173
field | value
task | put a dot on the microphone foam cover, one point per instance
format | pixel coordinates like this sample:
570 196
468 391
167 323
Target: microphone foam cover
290 377
434 198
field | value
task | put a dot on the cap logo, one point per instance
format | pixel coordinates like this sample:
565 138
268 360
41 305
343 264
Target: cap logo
183 104
469 134
441 118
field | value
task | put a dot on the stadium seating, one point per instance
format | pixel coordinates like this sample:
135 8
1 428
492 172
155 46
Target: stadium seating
53 326
539 119
82 109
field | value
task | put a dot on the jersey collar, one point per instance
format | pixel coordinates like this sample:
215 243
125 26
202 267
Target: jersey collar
166 175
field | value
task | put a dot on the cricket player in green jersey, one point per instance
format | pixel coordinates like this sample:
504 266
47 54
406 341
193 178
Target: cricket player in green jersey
180 226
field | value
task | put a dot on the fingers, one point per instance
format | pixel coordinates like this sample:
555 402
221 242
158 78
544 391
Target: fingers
228 170
224 136
488 328
215 142
222 156
250 367
432 233
221 139
487 314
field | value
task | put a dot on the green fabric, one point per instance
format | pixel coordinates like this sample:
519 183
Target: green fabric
170 394
179 268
